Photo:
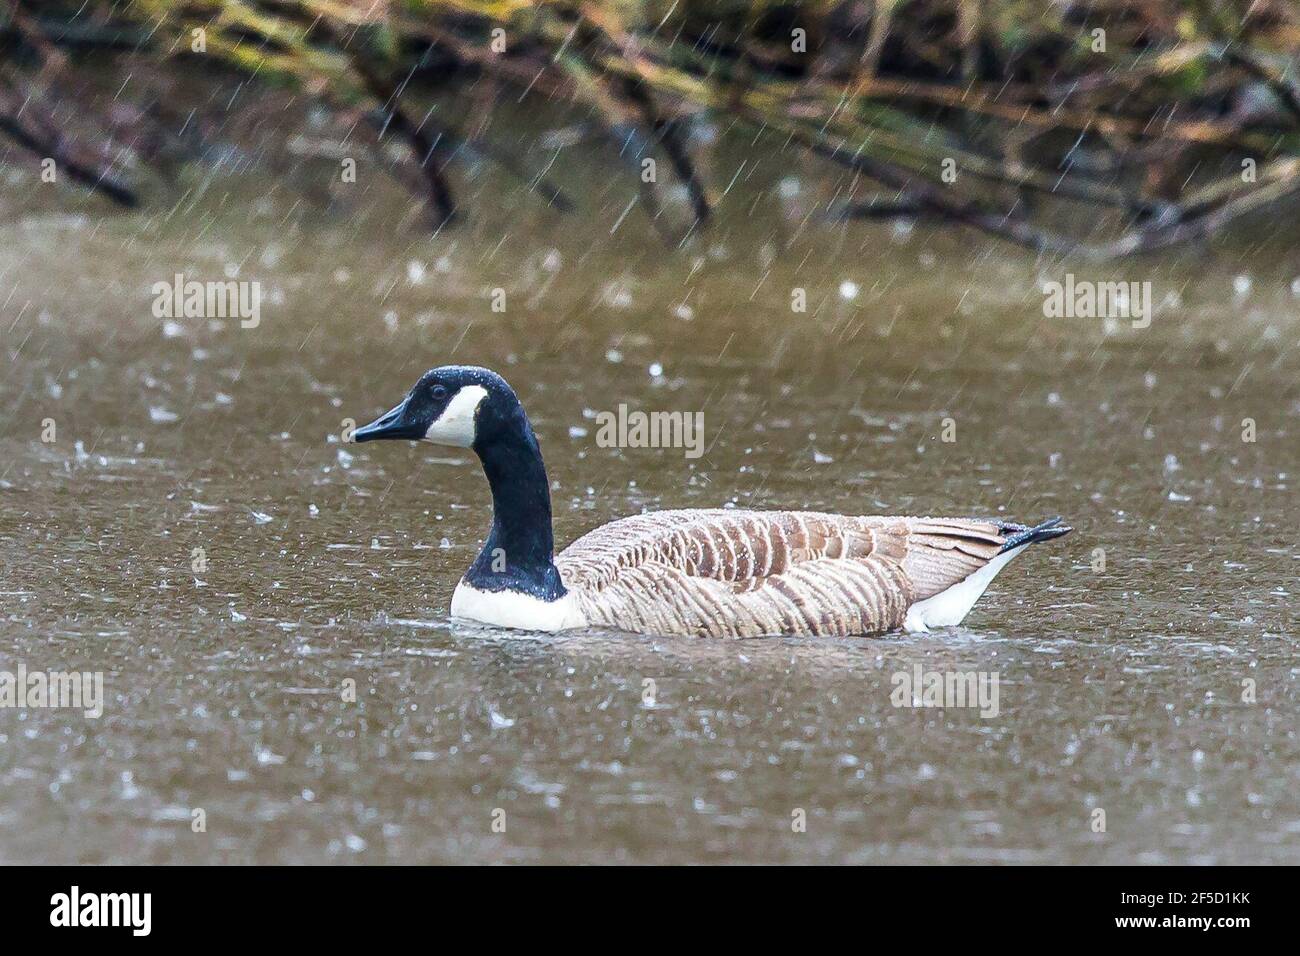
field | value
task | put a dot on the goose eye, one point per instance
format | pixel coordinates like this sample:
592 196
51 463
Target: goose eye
439 392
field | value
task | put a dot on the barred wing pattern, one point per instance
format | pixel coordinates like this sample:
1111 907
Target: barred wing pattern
723 573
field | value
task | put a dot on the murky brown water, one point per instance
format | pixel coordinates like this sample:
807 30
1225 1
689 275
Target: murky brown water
1121 688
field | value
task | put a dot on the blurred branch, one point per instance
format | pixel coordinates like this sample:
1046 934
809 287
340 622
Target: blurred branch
25 115
432 151
1021 96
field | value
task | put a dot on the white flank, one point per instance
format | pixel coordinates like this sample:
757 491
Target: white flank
949 608
513 609
455 426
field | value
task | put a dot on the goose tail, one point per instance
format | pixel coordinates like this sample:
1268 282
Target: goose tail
950 606
1022 535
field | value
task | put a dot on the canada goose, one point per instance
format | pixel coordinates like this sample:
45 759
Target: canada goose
716 573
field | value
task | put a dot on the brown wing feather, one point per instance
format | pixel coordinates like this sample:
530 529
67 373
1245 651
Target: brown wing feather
943 551
746 573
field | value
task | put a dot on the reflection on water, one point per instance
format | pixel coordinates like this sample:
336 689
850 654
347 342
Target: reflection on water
198 532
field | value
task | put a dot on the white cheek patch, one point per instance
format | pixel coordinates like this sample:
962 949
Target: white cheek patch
455 426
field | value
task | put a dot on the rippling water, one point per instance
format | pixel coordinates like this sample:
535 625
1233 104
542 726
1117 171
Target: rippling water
183 444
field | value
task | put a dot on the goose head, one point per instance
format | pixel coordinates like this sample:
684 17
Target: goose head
458 405
470 407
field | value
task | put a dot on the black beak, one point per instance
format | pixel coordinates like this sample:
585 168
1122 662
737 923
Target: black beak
397 423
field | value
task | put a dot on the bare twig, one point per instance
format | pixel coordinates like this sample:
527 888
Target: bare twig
432 151
20 122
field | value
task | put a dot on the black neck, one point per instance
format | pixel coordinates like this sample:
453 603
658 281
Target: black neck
518 553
